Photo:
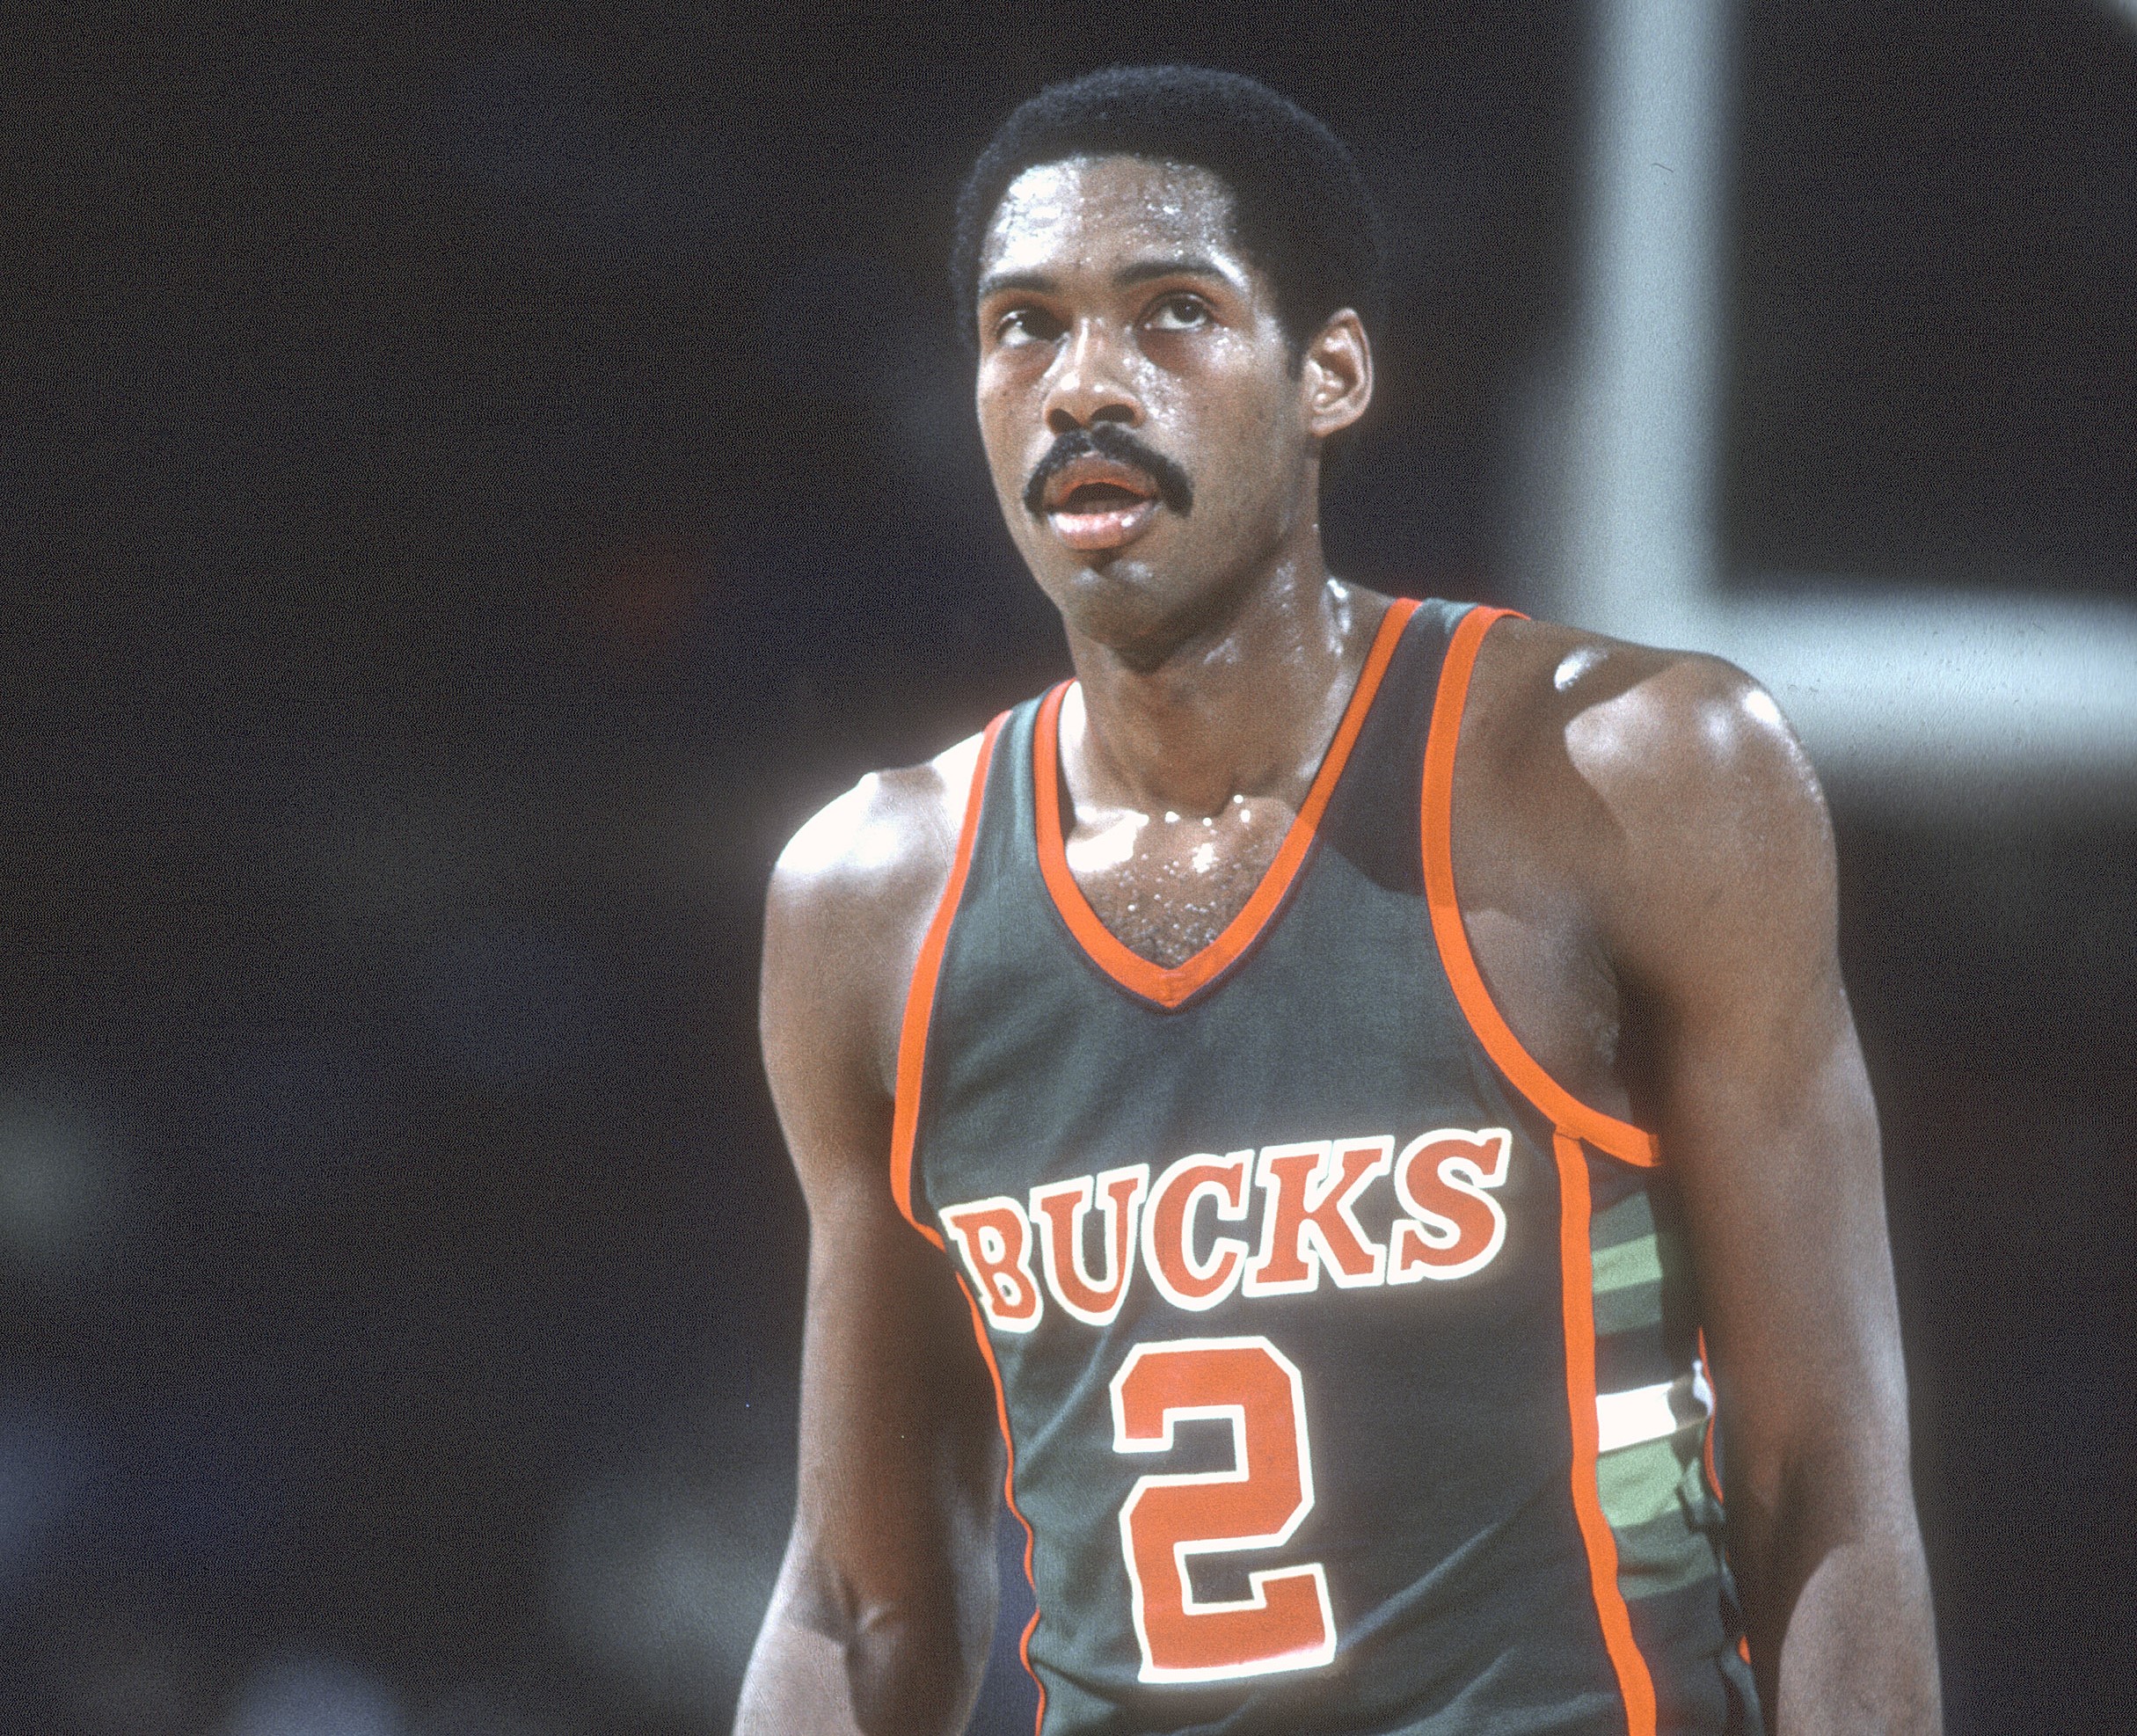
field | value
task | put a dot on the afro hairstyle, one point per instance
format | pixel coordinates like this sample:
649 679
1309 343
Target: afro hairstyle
1301 210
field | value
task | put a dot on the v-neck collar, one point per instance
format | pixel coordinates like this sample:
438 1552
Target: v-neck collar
1170 985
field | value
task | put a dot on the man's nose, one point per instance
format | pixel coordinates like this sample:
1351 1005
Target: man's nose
1089 383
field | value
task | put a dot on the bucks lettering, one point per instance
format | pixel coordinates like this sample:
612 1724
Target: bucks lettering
1192 1231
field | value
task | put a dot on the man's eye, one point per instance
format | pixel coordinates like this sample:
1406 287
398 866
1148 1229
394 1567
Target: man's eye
1026 325
1180 313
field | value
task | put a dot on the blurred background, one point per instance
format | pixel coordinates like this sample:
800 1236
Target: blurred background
471 481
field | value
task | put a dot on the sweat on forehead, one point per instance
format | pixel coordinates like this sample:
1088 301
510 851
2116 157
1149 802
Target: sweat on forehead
1157 187
1056 207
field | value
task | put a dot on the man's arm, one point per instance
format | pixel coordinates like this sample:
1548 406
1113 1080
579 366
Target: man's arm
885 1604
1719 914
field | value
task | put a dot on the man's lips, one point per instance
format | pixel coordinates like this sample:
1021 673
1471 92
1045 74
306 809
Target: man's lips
1097 502
1107 529
1098 487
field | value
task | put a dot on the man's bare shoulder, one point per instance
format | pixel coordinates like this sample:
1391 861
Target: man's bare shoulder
884 845
1662 790
1677 738
850 900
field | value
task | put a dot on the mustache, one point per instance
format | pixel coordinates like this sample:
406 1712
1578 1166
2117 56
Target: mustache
1109 440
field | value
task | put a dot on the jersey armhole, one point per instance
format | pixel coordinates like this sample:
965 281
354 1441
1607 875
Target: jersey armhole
1619 1139
920 995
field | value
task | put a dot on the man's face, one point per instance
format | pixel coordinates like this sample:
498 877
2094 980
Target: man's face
1152 444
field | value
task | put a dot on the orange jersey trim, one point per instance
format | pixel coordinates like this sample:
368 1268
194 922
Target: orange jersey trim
1622 1140
1634 1682
920 995
1008 1490
1169 986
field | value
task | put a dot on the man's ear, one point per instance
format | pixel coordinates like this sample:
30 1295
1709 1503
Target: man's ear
1337 375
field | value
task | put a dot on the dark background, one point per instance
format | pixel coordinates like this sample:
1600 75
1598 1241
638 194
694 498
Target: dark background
470 486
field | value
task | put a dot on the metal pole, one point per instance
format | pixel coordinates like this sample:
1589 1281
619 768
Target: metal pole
1956 701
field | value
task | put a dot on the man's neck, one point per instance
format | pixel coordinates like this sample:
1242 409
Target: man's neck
1245 706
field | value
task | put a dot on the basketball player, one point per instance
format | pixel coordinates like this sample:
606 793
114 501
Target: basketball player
1335 1103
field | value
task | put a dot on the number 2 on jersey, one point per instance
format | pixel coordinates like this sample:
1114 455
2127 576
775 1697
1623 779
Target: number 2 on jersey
1284 1622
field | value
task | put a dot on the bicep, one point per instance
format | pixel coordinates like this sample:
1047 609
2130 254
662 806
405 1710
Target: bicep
1727 942
1773 1142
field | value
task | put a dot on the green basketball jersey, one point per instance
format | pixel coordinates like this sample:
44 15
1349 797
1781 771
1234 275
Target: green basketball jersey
1349 1366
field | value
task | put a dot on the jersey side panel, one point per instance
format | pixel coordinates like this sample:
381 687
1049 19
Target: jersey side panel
1665 1518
